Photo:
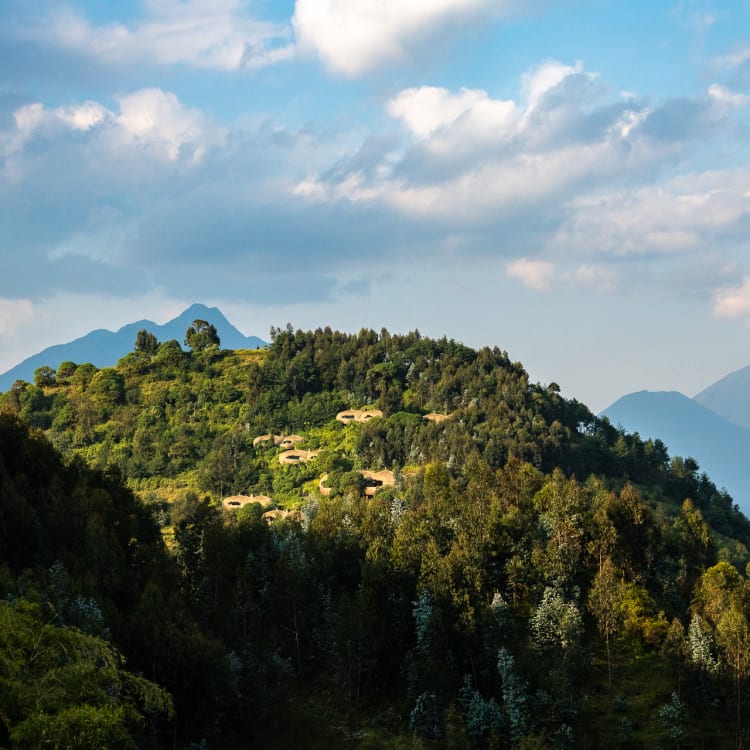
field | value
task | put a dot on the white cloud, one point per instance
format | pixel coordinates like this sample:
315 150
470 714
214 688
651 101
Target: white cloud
149 119
428 108
159 120
733 301
452 125
84 116
500 188
14 314
540 80
476 157
477 167
534 274
220 35
355 36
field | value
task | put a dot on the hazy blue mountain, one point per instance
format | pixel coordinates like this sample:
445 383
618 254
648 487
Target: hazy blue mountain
103 348
721 448
729 397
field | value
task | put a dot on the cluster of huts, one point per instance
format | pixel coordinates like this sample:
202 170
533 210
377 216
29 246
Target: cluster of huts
291 455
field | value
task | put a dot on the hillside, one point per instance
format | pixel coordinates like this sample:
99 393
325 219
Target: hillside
729 397
457 557
720 447
103 348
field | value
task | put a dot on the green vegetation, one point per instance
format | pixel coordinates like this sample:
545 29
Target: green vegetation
535 578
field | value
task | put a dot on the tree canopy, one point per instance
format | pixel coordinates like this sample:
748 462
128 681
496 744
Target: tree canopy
200 335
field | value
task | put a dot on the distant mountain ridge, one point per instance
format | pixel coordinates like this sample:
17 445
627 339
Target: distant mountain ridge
103 348
689 429
729 397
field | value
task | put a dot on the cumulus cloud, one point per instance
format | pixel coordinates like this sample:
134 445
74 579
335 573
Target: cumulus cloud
538 81
149 119
562 179
475 157
733 301
158 119
127 205
220 35
83 116
428 108
355 36
562 150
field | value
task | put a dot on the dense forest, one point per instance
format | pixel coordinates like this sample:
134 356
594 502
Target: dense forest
533 577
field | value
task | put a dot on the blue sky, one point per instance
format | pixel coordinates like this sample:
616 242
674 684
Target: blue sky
569 181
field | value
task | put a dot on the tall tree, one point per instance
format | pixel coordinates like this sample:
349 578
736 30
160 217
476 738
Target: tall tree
606 604
200 335
146 342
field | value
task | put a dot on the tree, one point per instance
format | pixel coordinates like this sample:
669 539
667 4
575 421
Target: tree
733 635
66 369
44 376
555 624
83 375
170 353
200 335
108 387
718 589
673 718
514 695
63 688
606 604
146 342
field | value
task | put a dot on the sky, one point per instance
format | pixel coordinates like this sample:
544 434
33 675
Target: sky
568 181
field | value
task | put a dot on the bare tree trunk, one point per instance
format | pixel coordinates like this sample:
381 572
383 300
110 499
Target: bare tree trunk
609 662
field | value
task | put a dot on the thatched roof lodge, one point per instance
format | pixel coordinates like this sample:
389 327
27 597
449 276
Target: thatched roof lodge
289 441
235 502
434 417
374 480
297 457
266 439
275 515
358 415
285 441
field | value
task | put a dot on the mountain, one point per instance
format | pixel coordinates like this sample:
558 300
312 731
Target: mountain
729 397
689 429
103 348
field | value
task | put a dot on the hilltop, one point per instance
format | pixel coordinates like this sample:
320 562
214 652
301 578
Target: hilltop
103 348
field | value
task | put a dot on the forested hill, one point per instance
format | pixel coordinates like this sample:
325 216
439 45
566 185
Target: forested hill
518 573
